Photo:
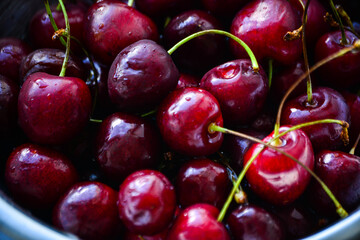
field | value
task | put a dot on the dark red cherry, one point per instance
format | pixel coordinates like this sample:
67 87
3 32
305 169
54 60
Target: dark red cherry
224 7
147 202
202 181
184 118
37 176
141 76
344 71
125 144
201 53
240 91
111 26
156 8
133 236
353 101
327 103
341 173
9 91
41 30
49 61
265 121
186 80
53 109
262 25
12 51
275 177
198 222
251 222
89 210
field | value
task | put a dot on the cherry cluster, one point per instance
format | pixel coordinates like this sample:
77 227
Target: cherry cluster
108 135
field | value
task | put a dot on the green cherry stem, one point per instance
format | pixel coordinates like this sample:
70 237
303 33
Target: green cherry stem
345 16
95 120
306 60
352 151
336 13
270 77
67 51
254 62
130 3
52 21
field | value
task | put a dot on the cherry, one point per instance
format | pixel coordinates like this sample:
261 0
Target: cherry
88 210
53 109
133 236
146 202
125 144
341 173
186 80
9 92
156 8
49 61
264 122
252 222
141 76
41 30
202 181
224 7
183 119
267 21
12 51
353 101
240 90
342 72
327 103
111 26
201 53
198 222
37 176
275 177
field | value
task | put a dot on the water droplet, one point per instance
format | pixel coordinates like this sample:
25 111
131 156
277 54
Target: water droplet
188 98
41 83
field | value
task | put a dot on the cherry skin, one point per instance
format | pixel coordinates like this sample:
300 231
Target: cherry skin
224 7
201 53
125 144
183 119
344 71
147 202
341 173
141 76
327 103
12 51
89 210
156 8
49 61
41 30
240 91
251 222
9 92
133 236
267 21
111 26
186 80
202 181
275 177
353 101
198 222
53 109
37 176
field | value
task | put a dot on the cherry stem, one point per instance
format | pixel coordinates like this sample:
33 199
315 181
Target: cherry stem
306 60
352 151
213 127
322 62
58 7
148 113
254 62
95 120
130 3
67 51
336 13
52 21
141 237
346 17
270 71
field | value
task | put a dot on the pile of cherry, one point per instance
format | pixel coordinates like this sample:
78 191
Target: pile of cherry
132 141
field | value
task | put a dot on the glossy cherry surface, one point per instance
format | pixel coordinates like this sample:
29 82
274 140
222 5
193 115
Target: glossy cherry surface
275 177
183 119
327 103
186 80
147 202
141 76
353 101
202 181
267 21
12 51
37 176
224 7
111 26
251 222
342 72
156 8
125 144
53 109
198 222
240 90
88 210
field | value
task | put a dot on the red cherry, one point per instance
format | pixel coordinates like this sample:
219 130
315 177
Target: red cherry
88 210
275 177
38 176
198 222
186 80
267 21
53 109
147 202
183 119
224 7
353 101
